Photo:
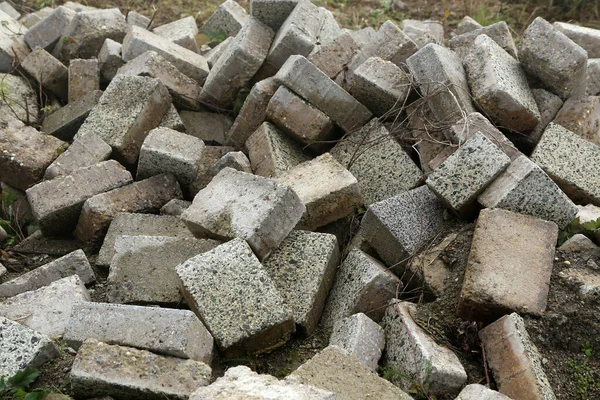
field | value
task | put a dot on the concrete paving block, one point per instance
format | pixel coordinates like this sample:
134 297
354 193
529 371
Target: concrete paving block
330 29
75 263
216 52
125 372
22 348
48 71
550 56
524 188
272 13
514 360
182 32
37 243
581 115
50 29
109 60
336 371
30 19
146 196
83 152
300 119
271 152
136 19
143 268
499 86
13 48
498 32
129 108
84 77
228 19
593 77
25 153
423 32
506 245
66 121
570 161
480 392
327 189
333 57
362 285
20 99
46 310
238 64
306 80
210 157
8 9
208 126
379 163
172 120
467 24
175 207
400 226
587 38
252 113
467 172
232 294
361 337
302 268
238 204
56 204
442 80
416 356
232 159
139 41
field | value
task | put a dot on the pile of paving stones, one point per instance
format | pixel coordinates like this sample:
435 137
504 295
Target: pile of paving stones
121 134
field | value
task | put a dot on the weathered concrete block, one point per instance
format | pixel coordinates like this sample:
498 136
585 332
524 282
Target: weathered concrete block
84 77
558 62
379 163
570 161
129 108
272 153
416 356
83 152
302 268
74 263
172 120
327 189
480 392
216 52
175 207
233 159
23 347
581 115
499 86
423 32
498 32
139 41
30 19
333 57
210 157
182 32
302 77
109 59
467 24
335 370
48 31
208 126
177 333
272 13
238 64
593 77
361 337
237 204
66 121
362 285
400 226
143 268
47 309
56 204
507 244
587 38
524 188
147 196
137 19
20 100
48 71
228 19
8 9
13 48
514 359
466 173
232 293
102 369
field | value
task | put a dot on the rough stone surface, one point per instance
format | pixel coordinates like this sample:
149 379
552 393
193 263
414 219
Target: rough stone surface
480 392
124 372
273 13
66 121
302 268
506 245
48 31
109 59
210 127
182 32
216 52
84 77
172 120
83 152
593 77
581 116
361 337
210 157
331 58
587 38
8 9
48 71
175 207
137 19
423 32
232 294
233 159
228 19
514 359
13 48
21 97
498 32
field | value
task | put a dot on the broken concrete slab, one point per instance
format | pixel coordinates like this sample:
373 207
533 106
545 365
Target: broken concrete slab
37 243
50 29
19 99
581 115
498 32
423 32
228 19
83 152
507 244
182 32
208 126
48 71
66 121
333 57
587 38
84 77
361 337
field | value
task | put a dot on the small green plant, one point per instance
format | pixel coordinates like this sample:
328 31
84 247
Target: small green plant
9 216
583 377
587 349
576 227
18 386
418 386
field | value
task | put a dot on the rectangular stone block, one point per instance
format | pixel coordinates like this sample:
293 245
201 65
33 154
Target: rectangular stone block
56 204
84 77
593 77
272 13
333 57
137 19
467 24
20 99
30 19
182 32
213 55
587 38
66 121
210 157
361 337
50 29
109 59
13 48
227 20
498 32
48 71
581 115
172 120
423 32
8 9
175 207
236 160
83 152
209 126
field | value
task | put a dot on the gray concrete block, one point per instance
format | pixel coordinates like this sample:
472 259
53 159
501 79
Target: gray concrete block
171 120
216 52
362 285
182 32
228 19
83 152
48 71
84 77
587 38
210 157
233 159
8 9
109 59
30 19
479 392
124 372
20 99
129 108
137 19
175 207
65 122
333 57
558 62
423 32
467 24
13 48
361 337
46 310
498 32
593 77
272 13
232 293
208 126
50 29
56 204
143 268
581 115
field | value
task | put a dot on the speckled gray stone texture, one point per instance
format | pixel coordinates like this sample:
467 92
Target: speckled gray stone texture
362 284
172 120
467 24
238 204
558 62
182 32
233 159
331 58
143 268
413 353
47 32
379 163
22 347
272 12
175 207
48 71
524 188
587 38
66 121
21 98
229 19
137 19
101 369
208 126
581 116
400 226
232 294
109 59
423 32
593 77
83 152
498 32
210 156
571 162
467 172
84 77
361 337
480 392
213 55
303 268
